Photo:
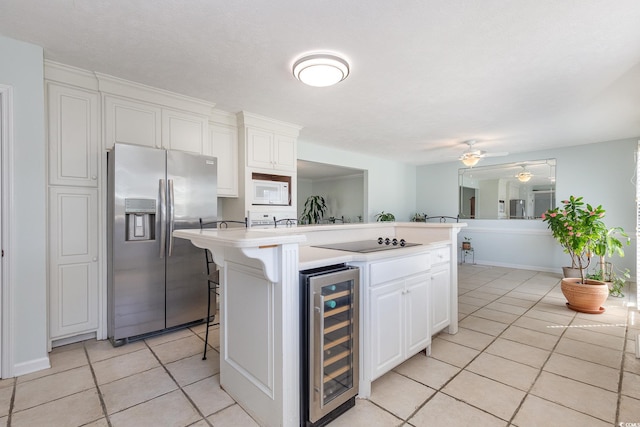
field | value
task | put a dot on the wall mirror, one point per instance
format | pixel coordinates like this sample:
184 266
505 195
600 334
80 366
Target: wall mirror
343 189
520 190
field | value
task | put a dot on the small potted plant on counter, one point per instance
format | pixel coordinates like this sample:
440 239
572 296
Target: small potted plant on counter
418 217
385 216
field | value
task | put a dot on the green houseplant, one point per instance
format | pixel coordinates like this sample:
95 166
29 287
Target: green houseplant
607 245
466 244
385 216
314 209
578 227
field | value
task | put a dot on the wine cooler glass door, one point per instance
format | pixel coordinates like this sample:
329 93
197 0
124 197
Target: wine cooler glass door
334 352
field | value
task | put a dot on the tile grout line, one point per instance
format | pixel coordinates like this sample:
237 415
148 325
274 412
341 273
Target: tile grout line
95 381
184 393
440 390
12 402
622 364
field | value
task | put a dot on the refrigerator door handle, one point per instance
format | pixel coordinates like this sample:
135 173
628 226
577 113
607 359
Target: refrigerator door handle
171 215
163 216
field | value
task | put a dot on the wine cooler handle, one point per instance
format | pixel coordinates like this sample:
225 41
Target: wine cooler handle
318 338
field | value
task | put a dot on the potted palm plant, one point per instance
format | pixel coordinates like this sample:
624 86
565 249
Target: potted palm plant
578 226
314 209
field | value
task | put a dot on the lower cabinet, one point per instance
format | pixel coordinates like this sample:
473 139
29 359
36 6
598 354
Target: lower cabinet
399 321
440 296
73 261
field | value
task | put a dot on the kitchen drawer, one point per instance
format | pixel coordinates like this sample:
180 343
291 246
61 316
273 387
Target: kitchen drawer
385 271
440 255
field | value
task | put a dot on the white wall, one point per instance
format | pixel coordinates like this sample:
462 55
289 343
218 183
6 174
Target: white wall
604 173
22 68
390 186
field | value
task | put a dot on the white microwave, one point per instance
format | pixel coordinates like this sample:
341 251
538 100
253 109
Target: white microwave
270 192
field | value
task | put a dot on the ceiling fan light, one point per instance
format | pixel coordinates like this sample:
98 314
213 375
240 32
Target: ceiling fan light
321 69
470 159
524 176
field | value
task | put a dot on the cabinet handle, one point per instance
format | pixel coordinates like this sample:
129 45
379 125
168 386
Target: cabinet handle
93 177
95 259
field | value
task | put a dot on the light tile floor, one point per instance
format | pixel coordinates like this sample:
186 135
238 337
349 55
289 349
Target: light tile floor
520 358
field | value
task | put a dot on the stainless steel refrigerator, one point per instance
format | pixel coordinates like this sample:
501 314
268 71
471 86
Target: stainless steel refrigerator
156 282
517 209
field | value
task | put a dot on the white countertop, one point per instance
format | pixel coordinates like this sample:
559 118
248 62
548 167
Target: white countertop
308 236
312 257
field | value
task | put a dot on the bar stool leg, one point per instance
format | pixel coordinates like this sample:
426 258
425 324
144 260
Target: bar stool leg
206 335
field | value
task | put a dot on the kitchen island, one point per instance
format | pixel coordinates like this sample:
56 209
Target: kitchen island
260 302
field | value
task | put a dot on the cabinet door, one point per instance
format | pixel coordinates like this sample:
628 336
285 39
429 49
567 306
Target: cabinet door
131 122
73 136
224 142
440 298
259 148
184 132
73 261
285 156
386 327
417 311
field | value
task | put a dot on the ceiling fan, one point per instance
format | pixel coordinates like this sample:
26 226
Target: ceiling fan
471 157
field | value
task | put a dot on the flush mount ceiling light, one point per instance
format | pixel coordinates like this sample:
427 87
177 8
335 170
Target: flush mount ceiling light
321 69
524 175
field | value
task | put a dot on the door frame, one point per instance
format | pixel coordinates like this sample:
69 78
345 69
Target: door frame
6 236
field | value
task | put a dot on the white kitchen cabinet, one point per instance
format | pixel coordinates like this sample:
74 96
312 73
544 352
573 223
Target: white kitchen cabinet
73 132
440 297
269 150
184 131
132 122
73 261
399 322
224 146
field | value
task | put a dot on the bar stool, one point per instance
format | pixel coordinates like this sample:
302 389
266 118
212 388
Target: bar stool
213 275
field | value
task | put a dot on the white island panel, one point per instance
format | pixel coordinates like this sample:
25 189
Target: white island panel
260 334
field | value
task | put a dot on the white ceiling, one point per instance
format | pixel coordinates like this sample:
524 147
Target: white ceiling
427 75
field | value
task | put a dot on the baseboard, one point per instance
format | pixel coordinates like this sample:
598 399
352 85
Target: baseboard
73 339
518 266
31 366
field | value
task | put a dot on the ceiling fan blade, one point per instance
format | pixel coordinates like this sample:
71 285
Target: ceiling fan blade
498 154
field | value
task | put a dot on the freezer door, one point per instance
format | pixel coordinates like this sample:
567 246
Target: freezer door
192 194
137 268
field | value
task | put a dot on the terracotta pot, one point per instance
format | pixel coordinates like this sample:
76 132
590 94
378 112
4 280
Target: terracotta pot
587 297
466 246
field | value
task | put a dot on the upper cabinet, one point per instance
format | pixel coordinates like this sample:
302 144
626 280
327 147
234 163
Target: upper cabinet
270 144
131 122
223 142
184 131
141 115
73 127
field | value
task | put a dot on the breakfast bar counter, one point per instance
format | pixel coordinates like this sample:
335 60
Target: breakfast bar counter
260 300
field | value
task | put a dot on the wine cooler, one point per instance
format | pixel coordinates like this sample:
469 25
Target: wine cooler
329 328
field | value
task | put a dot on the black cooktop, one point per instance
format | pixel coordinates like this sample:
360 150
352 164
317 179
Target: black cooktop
365 246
